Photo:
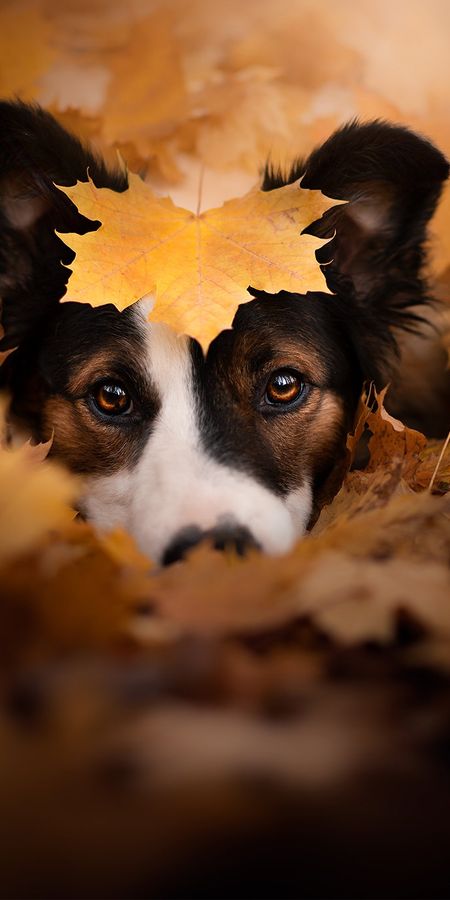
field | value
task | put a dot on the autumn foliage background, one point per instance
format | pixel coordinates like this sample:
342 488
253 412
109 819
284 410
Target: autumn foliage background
152 720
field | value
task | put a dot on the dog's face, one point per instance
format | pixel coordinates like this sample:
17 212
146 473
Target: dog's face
245 444
171 443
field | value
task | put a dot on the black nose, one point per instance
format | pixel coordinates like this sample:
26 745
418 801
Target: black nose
223 537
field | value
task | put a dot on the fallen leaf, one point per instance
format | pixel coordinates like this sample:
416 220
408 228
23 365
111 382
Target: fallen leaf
26 50
36 498
394 457
358 600
70 591
122 550
199 265
210 594
392 441
381 525
433 468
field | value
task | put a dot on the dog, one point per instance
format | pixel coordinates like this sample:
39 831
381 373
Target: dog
244 445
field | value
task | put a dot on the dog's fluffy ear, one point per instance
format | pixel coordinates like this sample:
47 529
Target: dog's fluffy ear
391 179
35 153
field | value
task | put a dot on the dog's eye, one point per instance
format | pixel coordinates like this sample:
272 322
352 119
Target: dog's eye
284 387
111 399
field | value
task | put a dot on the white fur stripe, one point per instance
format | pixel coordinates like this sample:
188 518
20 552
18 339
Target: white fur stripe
176 484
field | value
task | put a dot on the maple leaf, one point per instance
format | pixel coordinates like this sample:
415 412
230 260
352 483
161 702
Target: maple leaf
199 265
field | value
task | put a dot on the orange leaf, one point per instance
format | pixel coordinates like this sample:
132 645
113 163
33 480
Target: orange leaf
392 441
199 265
35 499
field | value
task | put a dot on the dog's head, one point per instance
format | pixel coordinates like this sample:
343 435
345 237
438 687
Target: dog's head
245 444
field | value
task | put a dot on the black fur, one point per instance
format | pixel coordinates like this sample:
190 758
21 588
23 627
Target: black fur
35 154
394 176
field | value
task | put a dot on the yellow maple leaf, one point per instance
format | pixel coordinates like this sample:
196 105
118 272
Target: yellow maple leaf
198 265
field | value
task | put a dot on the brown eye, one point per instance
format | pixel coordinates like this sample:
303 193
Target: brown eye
111 399
284 387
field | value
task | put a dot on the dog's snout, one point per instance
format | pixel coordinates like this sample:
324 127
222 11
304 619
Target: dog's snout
222 537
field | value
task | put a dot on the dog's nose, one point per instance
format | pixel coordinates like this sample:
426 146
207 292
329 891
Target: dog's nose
223 537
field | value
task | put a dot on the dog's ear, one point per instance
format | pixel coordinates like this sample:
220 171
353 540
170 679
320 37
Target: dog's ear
391 179
35 154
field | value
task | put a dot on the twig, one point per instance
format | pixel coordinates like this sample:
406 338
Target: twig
441 456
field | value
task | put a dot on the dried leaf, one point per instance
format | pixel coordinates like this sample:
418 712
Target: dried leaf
433 468
392 441
400 524
199 265
357 600
35 498
69 592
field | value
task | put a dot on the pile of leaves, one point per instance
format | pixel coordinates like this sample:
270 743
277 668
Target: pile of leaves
227 726
257 726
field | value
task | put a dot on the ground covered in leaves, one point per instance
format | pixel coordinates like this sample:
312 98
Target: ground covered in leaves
230 727
252 727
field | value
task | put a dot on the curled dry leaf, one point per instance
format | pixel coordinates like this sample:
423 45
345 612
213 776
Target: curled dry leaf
198 265
392 441
394 458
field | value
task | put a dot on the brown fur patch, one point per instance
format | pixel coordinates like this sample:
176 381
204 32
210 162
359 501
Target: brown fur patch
84 444
306 441
85 373
289 353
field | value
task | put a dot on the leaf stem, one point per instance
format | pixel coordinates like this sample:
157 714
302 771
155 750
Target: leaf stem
200 188
436 469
